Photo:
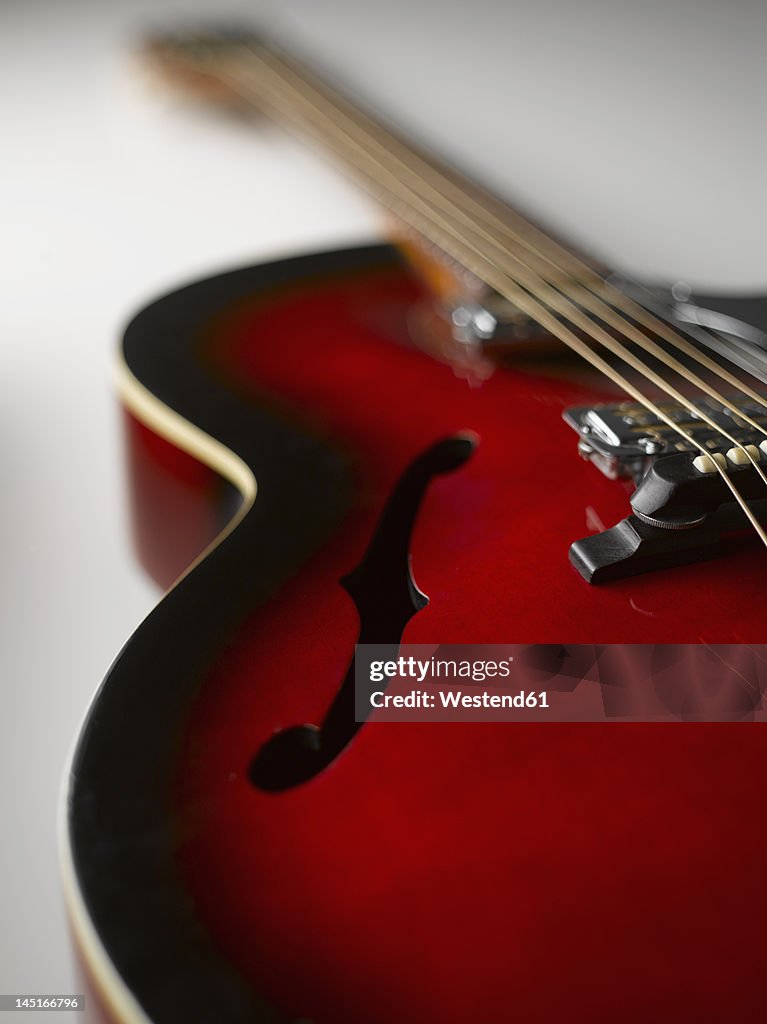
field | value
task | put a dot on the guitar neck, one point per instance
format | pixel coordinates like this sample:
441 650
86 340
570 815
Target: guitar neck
474 229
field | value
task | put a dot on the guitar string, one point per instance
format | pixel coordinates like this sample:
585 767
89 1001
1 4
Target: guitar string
483 205
572 312
749 684
602 298
503 282
421 216
589 285
575 315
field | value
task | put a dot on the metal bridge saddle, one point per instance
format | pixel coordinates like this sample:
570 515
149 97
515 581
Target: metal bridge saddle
682 509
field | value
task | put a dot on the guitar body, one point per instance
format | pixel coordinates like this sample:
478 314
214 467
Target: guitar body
477 872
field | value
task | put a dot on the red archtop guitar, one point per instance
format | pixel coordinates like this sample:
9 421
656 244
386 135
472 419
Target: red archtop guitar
555 455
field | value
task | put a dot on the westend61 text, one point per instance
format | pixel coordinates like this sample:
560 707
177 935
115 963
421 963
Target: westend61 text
458 699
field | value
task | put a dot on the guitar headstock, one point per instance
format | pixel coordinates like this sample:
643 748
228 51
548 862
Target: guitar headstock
201 61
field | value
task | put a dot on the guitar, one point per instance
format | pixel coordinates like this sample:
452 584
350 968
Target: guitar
311 443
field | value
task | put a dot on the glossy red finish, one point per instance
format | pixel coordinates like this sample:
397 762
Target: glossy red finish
176 502
475 872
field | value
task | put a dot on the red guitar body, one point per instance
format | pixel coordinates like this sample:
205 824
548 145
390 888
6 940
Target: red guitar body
432 873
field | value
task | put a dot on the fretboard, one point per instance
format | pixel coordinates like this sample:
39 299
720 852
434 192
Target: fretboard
478 231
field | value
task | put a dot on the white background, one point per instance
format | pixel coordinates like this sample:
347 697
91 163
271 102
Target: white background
637 129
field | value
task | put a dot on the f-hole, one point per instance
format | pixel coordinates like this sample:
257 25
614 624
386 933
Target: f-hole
387 597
